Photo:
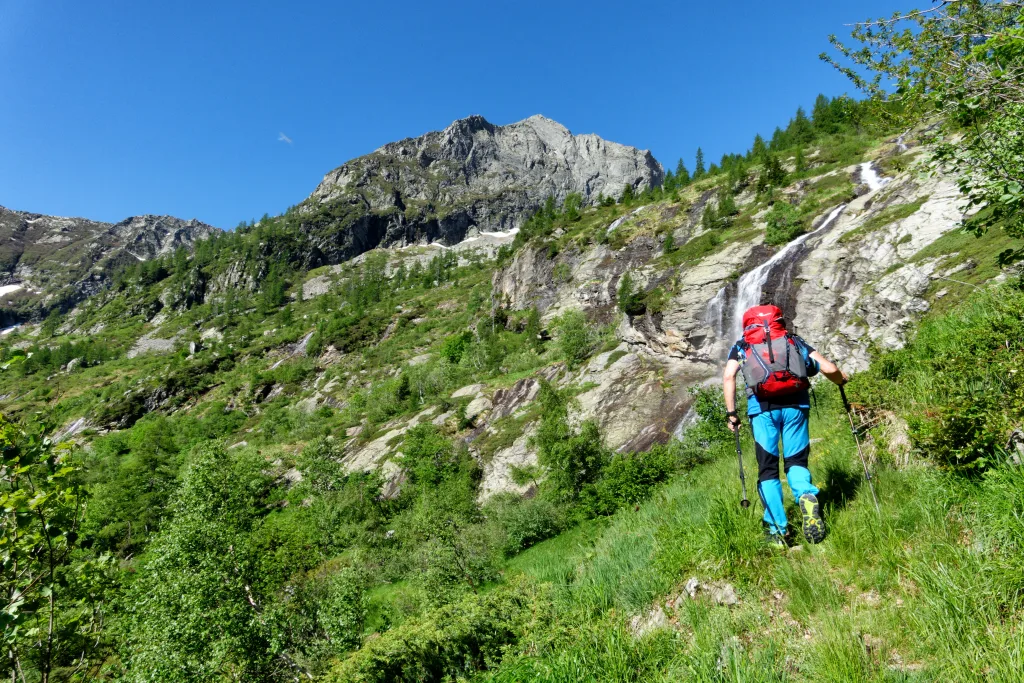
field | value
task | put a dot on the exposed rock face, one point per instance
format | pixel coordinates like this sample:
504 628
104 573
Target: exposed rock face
859 280
73 257
855 292
472 177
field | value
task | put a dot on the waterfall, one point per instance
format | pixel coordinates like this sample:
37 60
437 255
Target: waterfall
748 290
900 145
869 176
622 219
715 314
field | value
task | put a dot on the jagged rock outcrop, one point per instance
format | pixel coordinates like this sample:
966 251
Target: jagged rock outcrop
853 293
471 177
51 256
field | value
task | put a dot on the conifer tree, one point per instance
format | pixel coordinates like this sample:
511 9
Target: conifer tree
698 169
801 163
773 174
760 148
726 203
549 207
800 129
779 140
682 175
627 195
709 221
737 176
822 116
669 183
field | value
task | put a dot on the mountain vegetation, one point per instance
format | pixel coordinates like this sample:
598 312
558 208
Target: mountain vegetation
309 449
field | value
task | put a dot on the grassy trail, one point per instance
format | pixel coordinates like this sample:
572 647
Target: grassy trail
920 593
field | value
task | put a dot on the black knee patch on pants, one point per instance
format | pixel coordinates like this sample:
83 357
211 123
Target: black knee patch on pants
767 464
799 459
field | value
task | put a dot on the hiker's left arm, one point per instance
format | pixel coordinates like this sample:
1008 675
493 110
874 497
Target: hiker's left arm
830 369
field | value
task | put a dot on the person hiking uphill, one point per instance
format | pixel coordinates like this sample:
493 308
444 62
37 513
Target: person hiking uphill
776 367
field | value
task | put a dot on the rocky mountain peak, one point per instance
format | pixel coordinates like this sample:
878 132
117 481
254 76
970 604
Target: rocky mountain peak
472 176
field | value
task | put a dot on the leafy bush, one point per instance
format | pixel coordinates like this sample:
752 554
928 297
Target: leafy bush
957 382
347 332
708 436
629 478
572 456
429 457
343 610
576 338
524 522
454 347
448 643
784 224
190 608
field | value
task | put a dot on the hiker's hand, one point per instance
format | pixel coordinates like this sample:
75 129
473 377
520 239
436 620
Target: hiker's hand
733 421
843 377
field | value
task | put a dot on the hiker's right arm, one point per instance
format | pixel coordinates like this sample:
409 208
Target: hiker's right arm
830 369
729 389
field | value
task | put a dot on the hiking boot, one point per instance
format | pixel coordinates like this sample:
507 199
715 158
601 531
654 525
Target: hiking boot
814 525
777 541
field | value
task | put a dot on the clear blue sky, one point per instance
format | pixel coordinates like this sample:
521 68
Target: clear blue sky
118 108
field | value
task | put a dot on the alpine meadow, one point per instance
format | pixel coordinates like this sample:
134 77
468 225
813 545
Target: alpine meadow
458 415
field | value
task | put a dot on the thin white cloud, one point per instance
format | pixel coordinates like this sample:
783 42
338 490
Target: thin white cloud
281 137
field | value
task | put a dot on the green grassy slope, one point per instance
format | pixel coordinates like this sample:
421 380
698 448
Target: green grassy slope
928 589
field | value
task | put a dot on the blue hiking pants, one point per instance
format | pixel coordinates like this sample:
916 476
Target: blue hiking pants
788 425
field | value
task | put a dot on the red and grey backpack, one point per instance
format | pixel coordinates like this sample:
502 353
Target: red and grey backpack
773 365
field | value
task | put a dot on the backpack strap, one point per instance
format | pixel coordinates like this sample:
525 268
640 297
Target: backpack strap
768 341
789 340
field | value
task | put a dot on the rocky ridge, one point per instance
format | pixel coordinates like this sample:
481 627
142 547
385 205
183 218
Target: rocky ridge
72 258
473 177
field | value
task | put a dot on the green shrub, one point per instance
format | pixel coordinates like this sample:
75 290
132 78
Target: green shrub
576 338
455 346
524 522
448 643
429 457
573 457
705 438
957 382
631 297
784 224
629 479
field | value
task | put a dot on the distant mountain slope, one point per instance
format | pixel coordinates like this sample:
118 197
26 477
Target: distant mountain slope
472 176
52 257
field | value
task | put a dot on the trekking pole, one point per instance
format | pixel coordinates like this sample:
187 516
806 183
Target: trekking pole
743 482
856 438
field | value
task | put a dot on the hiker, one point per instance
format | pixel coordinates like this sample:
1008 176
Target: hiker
776 368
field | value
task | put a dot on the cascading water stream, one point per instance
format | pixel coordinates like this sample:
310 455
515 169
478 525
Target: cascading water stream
715 313
748 289
869 176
